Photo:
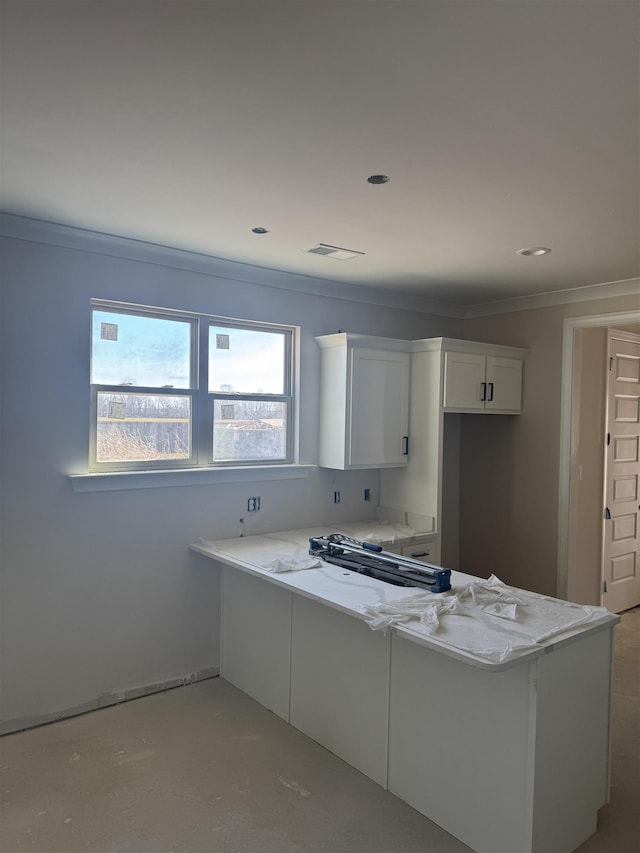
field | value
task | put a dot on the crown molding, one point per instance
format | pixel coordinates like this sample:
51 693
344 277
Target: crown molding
95 242
80 239
628 287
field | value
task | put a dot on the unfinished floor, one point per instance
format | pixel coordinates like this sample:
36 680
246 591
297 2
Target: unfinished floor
205 768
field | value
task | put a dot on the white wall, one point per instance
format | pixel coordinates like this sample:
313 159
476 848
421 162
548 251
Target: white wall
100 595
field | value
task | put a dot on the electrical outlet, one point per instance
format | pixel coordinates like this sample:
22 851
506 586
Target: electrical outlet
253 504
367 494
336 497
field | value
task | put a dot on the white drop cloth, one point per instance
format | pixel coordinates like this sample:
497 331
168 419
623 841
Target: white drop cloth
292 563
486 618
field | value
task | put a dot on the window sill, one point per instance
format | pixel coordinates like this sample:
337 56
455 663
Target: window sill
117 481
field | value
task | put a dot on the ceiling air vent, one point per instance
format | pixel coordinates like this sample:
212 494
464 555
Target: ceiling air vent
334 252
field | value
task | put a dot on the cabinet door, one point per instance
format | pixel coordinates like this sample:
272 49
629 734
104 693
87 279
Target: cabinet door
427 551
252 608
379 408
504 383
339 680
464 380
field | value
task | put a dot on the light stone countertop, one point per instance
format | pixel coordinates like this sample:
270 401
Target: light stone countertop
466 639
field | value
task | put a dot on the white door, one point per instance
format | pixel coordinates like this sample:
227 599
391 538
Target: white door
504 383
464 380
379 417
621 572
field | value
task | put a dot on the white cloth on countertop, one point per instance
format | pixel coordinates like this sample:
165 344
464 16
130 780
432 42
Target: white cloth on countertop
292 563
423 607
492 596
526 619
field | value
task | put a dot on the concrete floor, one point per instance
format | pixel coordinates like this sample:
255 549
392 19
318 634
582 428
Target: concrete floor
204 768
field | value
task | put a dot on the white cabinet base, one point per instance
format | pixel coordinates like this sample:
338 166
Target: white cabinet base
340 685
256 639
514 761
426 549
572 742
509 762
458 744
508 757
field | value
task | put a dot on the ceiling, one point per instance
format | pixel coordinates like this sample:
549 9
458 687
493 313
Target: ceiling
501 125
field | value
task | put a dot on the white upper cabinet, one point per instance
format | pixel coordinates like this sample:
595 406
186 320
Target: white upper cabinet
379 408
464 380
477 381
504 384
364 401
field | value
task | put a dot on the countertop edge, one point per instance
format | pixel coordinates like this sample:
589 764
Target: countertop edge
284 581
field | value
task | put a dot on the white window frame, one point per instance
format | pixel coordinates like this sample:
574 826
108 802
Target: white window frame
202 401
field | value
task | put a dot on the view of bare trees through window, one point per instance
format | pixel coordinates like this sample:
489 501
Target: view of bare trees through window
137 427
248 429
140 427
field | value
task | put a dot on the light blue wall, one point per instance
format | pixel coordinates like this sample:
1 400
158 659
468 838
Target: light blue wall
100 594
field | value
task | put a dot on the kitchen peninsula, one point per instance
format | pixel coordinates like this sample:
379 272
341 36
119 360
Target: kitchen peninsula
496 730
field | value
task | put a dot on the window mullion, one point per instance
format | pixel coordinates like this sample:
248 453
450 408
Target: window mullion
204 417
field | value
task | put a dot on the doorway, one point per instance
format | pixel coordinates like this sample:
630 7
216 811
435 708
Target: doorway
581 534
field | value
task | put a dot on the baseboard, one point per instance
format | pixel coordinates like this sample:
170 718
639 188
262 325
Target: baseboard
106 700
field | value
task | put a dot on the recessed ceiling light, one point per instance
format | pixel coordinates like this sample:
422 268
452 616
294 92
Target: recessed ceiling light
534 251
377 179
260 230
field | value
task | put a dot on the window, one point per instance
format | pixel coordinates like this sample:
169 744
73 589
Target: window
176 390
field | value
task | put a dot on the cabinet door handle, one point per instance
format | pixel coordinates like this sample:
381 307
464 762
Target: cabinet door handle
405 445
421 554
490 398
483 393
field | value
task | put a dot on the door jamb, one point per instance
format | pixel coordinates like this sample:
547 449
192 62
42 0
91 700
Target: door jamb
566 419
